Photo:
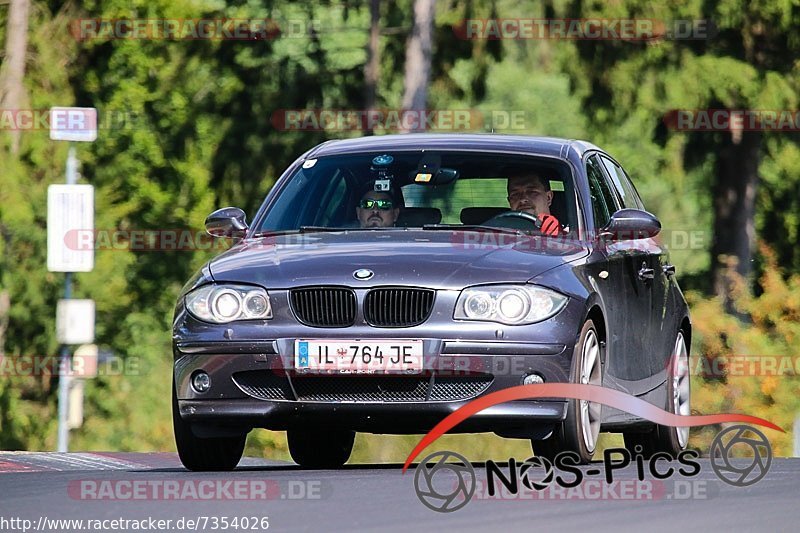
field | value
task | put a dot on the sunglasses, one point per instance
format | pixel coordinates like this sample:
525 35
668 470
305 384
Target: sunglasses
369 203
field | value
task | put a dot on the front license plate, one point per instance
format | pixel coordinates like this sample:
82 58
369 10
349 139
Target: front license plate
358 356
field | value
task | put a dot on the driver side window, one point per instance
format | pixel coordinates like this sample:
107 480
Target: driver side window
603 203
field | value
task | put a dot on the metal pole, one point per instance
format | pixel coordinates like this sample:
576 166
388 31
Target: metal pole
796 437
64 359
72 167
63 381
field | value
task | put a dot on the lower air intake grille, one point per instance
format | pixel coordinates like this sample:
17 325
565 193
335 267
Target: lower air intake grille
361 389
460 388
263 384
388 389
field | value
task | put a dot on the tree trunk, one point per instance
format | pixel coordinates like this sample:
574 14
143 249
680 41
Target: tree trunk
418 62
12 90
734 197
5 307
372 68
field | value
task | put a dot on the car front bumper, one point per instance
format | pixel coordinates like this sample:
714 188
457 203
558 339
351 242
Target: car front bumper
254 384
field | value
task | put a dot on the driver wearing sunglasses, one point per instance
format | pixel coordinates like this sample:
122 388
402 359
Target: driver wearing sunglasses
377 210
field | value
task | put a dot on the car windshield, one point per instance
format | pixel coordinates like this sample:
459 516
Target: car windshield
424 189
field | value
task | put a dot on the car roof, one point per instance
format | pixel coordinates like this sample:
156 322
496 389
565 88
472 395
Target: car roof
551 146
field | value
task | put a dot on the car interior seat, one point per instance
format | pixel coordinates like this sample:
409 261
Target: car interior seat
478 215
418 216
472 216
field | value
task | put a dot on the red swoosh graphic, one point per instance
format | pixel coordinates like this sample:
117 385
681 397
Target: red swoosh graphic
593 393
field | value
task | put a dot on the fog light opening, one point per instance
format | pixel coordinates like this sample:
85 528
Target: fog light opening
201 382
532 379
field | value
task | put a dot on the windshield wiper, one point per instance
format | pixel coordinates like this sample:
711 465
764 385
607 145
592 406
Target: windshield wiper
302 229
272 233
472 227
322 229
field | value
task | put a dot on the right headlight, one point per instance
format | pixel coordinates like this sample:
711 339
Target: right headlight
225 303
508 304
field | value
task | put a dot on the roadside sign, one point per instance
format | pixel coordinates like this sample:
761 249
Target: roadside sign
73 124
84 361
75 411
75 321
70 228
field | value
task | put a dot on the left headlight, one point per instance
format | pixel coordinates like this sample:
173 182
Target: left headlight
226 303
508 304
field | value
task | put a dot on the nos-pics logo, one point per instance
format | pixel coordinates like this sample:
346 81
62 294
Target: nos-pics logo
446 481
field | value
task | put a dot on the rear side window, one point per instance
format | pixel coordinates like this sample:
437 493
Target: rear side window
603 202
623 185
463 193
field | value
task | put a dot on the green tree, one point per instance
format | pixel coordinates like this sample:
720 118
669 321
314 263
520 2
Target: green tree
745 63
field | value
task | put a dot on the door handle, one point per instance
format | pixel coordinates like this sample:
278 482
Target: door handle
646 274
669 270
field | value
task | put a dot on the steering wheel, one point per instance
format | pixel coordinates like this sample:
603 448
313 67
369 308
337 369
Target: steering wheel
515 220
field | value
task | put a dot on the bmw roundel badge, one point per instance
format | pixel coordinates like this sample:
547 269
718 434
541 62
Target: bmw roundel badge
363 274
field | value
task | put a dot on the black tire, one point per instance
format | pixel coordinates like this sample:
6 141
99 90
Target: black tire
320 448
668 439
199 454
570 434
549 447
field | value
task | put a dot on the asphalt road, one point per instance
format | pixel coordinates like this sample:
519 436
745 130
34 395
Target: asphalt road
94 487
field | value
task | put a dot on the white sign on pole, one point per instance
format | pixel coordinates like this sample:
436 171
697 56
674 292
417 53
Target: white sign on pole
75 411
73 124
75 321
84 361
70 228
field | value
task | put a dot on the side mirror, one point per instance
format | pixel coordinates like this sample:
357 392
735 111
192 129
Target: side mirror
226 222
629 224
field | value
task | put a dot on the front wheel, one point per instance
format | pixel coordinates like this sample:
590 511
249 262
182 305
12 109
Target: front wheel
199 454
581 428
320 448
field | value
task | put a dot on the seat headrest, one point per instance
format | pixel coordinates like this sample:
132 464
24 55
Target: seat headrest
419 216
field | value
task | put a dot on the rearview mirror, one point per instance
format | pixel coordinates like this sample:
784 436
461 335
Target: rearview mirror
629 224
445 176
427 175
226 222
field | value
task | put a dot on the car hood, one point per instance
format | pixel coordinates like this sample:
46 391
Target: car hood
437 259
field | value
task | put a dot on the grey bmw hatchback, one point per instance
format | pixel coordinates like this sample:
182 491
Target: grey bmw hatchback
387 281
